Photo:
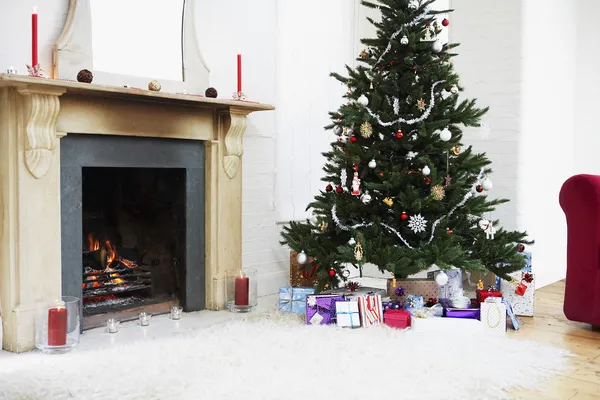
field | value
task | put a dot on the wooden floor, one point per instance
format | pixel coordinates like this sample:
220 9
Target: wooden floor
550 326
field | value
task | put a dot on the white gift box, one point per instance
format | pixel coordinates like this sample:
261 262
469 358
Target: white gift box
522 305
347 314
446 325
493 316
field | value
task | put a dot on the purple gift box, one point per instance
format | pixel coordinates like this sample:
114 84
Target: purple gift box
320 309
469 313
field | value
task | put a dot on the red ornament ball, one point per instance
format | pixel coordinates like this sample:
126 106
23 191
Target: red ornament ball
399 134
381 174
329 188
450 232
331 272
479 188
521 248
352 139
339 190
445 22
404 216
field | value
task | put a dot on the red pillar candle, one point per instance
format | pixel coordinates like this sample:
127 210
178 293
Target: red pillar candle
242 288
239 72
34 38
57 326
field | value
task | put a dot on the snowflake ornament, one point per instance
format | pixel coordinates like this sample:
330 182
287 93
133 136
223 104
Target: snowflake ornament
312 301
411 155
417 223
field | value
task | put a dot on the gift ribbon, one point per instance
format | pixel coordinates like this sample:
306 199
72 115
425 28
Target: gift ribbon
350 313
307 275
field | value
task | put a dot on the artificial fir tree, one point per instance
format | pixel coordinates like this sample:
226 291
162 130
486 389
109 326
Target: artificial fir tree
400 191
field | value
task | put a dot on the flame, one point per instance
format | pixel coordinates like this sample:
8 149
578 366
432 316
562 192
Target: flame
94 244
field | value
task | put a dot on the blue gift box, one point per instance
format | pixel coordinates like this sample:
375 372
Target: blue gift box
293 299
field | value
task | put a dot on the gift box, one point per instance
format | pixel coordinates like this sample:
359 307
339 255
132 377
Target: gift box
468 313
320 309
472 278
361 291
293 299
454 285
511 315
413 303
302 275
493 316
426 288
371 310
527 267
483 294
462 326
398 319
520 292
347 314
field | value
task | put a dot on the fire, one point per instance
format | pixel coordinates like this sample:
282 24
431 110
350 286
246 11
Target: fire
94 244
111 256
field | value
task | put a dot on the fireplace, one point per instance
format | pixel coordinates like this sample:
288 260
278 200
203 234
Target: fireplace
132 225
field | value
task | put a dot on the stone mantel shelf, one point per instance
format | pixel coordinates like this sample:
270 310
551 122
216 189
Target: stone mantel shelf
35 113
90 89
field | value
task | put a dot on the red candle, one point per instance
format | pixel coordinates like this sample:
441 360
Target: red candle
242 287
34 38
57 326
239 72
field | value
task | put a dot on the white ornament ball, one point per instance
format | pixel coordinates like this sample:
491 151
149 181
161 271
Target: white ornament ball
302 258
445 134
454 89
484 224
373 164
487 184
366 198
363 100
351 242
338 130
437 46
404 40
426 171
350 132
441 279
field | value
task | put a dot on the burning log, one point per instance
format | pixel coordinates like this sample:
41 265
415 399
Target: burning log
95 259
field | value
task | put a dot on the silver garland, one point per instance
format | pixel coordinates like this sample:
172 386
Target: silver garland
409 121
396 106
397 234
343 227
469 194
395 34
343 178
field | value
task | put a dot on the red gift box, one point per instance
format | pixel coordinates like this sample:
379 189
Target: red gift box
484 294
399 319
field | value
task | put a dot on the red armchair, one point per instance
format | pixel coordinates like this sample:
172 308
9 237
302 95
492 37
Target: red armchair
580 201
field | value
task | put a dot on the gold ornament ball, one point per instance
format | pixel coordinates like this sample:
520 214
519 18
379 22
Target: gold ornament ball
456 150
154 86
438 192
366 130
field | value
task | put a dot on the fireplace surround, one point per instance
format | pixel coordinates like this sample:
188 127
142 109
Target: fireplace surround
36 114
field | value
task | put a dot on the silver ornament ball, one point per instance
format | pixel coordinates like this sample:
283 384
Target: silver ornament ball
350 132
426 171
363 100
373 164
404 40
302 258
454 89
437 46
441 279
338 130
487 184
351 242
366 198
445 135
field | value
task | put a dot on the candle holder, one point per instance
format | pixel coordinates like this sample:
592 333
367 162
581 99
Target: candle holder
144 318
12 70
241 290
35 71
239 96
57 325
112 325
176 313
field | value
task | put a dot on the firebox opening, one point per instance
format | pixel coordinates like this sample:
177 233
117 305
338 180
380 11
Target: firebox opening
133 237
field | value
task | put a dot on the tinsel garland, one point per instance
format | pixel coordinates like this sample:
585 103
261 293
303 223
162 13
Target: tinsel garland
397 234
399 31
343 178
413 121
469 194
343 227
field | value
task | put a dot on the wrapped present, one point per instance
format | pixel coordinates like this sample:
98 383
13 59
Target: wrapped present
320 309
398 289
347 314
361 291
389 304
398 319
469 313
454 285
471 279
371 310
511 315
527 267
463 326
302 275
483 294
293 299
520 292
493 316
413 303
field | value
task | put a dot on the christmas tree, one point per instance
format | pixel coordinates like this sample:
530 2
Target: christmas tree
400 190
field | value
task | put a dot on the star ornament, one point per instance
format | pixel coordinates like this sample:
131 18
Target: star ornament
421 104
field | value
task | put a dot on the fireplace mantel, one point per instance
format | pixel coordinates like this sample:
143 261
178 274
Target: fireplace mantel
35 113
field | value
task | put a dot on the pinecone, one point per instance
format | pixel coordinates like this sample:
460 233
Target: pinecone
154 86
211 92
85 76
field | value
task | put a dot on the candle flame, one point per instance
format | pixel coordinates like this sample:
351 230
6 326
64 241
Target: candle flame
35 9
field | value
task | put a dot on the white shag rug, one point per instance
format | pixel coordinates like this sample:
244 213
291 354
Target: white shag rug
276 356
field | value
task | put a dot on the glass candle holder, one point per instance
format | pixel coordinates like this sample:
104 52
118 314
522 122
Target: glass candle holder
145 318
176 312
241 290
112 325
57 325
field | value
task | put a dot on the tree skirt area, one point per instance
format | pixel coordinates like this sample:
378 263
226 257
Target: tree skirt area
276 356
